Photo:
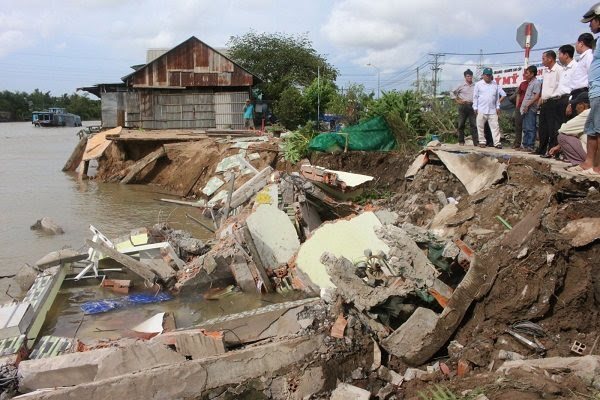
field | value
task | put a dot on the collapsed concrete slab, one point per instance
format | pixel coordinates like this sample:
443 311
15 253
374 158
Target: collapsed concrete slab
274 236
340 184
354 290
347 238
51 372
277 320
192 379
83 367
194 343
59 257
408 339
416 344
586 367
475 171
406 257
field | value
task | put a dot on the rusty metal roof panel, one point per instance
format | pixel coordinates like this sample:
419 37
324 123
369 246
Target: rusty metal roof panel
191 63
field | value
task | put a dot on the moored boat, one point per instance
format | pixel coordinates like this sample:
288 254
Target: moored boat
55 116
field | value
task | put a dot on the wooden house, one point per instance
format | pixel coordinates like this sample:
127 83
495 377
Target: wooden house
191 86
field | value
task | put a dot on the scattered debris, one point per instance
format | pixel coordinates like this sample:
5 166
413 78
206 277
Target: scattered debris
454 253
582 231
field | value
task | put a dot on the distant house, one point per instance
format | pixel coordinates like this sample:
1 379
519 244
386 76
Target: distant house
190 86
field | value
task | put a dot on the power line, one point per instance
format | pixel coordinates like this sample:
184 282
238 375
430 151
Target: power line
435 68
496 53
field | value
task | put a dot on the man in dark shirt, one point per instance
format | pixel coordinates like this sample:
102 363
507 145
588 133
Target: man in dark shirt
463 95
518 118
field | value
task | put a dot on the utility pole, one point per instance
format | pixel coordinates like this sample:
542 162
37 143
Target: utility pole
436 67
318 97
378 78
418 82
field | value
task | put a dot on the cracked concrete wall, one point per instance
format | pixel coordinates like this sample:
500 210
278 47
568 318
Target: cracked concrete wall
191 379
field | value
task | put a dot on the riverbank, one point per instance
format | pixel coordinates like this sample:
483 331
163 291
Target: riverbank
419 270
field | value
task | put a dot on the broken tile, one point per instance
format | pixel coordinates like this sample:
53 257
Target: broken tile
212 185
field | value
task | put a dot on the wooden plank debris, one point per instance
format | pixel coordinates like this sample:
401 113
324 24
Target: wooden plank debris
76 157
141 164
250 188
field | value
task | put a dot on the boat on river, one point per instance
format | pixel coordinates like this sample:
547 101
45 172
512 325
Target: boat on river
55 116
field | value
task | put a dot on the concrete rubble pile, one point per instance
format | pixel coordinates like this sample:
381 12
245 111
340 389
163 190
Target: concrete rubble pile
455 278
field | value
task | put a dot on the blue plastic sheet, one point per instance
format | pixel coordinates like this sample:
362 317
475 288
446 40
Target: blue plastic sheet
105 305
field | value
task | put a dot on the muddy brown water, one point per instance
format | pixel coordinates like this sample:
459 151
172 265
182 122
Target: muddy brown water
32 186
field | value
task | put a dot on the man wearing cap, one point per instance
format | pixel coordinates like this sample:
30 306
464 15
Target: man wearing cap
591 164
487 97
551 116
463 95
571 140
249 115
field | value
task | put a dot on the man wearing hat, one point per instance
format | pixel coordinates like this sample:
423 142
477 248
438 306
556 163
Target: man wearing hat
487 96
463 95
571 140
591 164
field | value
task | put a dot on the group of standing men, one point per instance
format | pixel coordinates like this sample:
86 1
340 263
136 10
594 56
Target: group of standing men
565 85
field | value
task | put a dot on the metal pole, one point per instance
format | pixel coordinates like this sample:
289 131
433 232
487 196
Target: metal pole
378 78
318 96
527 44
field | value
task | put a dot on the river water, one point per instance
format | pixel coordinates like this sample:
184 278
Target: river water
32 186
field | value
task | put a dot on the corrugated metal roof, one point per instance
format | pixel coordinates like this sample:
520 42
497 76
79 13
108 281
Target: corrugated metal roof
192 63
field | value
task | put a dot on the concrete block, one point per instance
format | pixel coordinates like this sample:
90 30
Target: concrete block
345 391
65 370
60 257
242 274
274 236
409 337
15 318
76 368
137 357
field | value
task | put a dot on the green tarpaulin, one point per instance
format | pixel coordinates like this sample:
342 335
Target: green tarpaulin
371 135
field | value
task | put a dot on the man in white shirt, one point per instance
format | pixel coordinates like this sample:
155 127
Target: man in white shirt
579 76
565 57
550 116
487 97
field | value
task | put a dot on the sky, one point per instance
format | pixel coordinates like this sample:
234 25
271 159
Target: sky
59 46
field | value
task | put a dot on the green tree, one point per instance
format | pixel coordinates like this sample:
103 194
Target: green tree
320 92
281 61
291 108
20 105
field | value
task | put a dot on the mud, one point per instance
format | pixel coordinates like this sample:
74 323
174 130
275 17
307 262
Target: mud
186 169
